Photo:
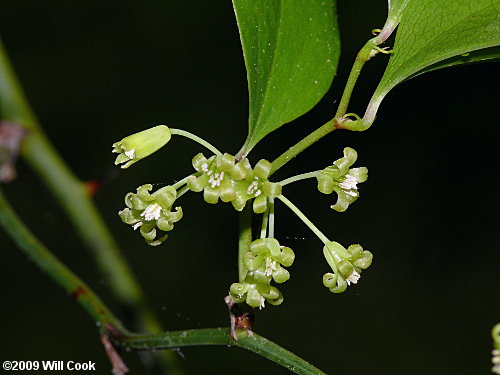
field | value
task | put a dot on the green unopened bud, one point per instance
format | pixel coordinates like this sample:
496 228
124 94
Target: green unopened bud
137 146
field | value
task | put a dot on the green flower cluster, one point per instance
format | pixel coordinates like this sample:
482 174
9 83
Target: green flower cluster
151 212
342 179
221 177
346 265
263 262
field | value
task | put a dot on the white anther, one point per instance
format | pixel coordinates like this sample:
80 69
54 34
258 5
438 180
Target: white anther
353 278
258 193
204 167
262 303
137 225
349 183
270 267
253 186
152 212
130 154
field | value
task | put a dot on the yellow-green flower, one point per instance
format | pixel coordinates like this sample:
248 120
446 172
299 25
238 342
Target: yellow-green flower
137 146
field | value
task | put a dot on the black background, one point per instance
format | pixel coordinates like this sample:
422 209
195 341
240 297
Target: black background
96 71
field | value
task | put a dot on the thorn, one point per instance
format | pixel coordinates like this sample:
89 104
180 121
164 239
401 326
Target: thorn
11 135
119 367
241 321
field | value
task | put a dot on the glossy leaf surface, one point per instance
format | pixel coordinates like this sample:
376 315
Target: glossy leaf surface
435 31
291 50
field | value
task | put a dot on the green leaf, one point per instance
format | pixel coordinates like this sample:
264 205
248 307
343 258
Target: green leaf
434 33
483 55
396 9
291 50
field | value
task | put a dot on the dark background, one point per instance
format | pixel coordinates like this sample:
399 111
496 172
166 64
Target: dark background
96 71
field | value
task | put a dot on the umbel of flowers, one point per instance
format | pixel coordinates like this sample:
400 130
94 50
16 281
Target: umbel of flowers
221 177
342 179
151 213
263 262
346 265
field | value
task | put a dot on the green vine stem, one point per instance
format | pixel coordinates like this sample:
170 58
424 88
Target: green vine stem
71 194
48 263
111 326
245 239
220 336
303 144
364 54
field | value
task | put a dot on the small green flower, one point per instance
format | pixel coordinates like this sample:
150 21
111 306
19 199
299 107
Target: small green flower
217 177
151 212
346 265
137 146
342 179
220 177
264 261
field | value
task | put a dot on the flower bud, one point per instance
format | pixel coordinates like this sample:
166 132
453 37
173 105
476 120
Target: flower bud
140 145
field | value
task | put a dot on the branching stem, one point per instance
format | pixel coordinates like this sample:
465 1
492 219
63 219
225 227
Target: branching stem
304 218
362 57
71 194
109 325
299 177
245 239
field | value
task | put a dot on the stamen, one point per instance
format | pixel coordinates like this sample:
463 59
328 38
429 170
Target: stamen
353 278
130 154
152 212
